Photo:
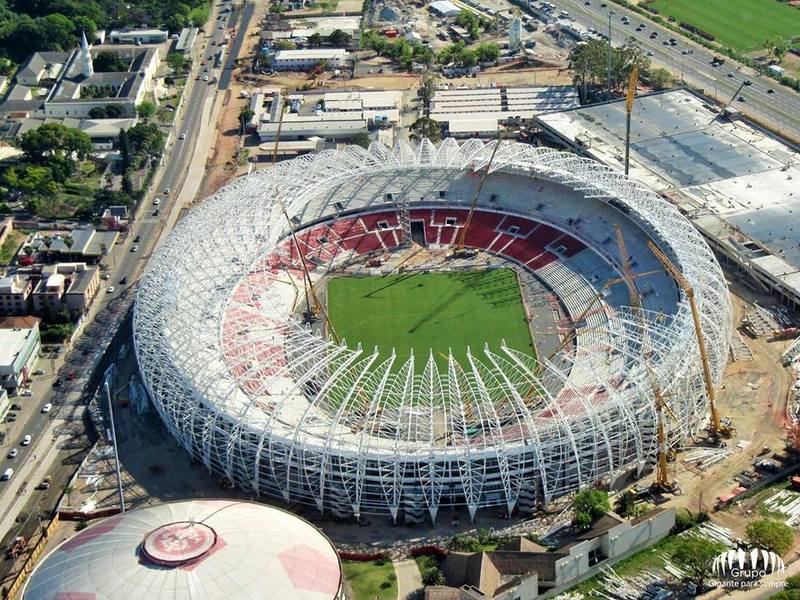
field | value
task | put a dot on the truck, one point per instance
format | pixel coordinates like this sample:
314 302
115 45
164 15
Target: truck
718 60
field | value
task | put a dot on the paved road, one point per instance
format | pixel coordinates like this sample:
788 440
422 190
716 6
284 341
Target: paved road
779 110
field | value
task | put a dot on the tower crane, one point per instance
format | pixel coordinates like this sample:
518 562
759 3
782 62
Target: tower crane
717 427
463 235
662 482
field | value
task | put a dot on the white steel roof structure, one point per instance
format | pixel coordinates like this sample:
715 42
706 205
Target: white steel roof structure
257 396
198 550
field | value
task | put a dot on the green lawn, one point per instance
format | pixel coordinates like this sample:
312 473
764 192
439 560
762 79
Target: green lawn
740 24
437 311
365 580
11 245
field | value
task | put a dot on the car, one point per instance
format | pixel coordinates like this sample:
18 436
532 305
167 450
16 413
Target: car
57 383
156 212
105 276
370 71
747 82
684 51
731 74
741 98
205 78
13 453
110 289
167 190
183 135
16 407
642 25
156 201
45 483
653 35
649 53
10 418
26 440
588 3
26 393
137 238
770 91
665 42
134 248
39 372
7 474
123 281
46 408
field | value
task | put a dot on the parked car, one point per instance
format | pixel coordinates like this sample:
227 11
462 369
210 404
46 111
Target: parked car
39 372
110 289
45 483
16 407
46 408
26 393
105 276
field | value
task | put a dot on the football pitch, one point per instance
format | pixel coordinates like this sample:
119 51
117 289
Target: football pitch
740 24
436 311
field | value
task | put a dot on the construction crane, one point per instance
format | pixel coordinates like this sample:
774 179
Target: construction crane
313 305
717 427
662 482
597 297
627 269
462 236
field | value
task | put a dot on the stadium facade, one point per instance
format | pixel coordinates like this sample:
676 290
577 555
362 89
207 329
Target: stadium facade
280 408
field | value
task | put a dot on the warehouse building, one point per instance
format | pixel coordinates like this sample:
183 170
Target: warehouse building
302 60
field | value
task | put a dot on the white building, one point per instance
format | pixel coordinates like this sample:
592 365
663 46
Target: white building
19 350
444 8
302 60
139 36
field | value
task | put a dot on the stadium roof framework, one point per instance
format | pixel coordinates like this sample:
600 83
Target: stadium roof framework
737 183
256 395
221 549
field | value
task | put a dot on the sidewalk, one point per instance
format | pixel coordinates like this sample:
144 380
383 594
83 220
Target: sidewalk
408 578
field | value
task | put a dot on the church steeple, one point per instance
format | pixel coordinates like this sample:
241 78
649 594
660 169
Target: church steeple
87 67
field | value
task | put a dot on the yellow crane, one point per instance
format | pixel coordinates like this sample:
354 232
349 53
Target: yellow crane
716 425
662 482
462 236
627 269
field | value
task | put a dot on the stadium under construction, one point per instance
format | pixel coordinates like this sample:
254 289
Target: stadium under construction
622 302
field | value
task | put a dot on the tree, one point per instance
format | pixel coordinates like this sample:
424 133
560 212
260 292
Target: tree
777 47
487 52
68 242
146 139
110 111
659 78
361 139
54 140
30 180
469 21
770 534
244 118
426 128
339 39
315 40
109 61
589 64
589 506
176 61
427 87
626 504
695 556
146 109
285 45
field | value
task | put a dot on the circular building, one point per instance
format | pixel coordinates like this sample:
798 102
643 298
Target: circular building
217 549
386 331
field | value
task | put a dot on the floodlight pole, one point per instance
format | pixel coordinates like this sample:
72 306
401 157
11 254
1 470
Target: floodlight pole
114 444
628 110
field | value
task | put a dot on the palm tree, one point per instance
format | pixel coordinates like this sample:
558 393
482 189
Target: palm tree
47 241
68 242
28 250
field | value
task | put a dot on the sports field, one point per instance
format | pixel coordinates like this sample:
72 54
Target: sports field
435 311
740 24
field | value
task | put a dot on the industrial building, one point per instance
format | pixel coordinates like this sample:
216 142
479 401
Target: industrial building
138 36
444 8
19 350
482 111
220 549
737 183
302 60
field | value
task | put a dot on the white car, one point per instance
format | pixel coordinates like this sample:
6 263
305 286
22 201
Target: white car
205 78
183 135
46 408
26 440
39 372
13 453
134 248
156 201
26 393
110 289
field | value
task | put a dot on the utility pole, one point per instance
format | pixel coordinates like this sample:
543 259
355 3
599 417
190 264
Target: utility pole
628 110
608 75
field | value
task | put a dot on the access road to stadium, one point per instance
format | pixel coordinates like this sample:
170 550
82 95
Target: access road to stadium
779 110
59 441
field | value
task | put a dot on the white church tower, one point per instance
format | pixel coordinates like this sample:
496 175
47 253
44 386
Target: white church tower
87 68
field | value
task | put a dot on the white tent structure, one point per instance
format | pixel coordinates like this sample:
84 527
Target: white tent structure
192 550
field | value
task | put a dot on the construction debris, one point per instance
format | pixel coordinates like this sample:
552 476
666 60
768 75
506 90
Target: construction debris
703 458
644 586
787 503
760 321
739 350
718 533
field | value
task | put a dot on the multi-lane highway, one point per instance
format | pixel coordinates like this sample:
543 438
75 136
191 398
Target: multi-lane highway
778 109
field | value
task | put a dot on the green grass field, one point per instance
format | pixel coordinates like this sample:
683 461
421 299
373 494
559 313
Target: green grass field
371 580
740 24
435 311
